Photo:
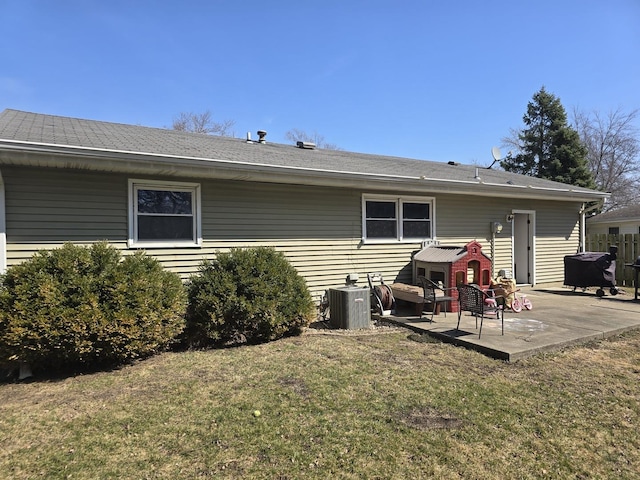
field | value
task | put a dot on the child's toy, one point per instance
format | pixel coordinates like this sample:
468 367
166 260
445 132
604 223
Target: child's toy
519 302
505 286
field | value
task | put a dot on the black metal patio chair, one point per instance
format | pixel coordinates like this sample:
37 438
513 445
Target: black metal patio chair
480 304
433 295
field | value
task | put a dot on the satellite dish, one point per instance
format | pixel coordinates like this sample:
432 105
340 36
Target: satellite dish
495 153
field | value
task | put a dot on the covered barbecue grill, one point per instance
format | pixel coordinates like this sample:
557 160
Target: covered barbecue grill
592 269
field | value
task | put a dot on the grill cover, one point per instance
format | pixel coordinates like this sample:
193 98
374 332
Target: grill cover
590 269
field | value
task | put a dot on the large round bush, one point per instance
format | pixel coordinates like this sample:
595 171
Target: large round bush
248 295
85 306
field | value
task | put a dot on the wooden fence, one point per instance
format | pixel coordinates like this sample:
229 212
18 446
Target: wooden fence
628 251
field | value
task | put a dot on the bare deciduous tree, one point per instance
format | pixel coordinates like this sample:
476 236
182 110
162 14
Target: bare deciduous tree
202 123
296 135
512 143
613 144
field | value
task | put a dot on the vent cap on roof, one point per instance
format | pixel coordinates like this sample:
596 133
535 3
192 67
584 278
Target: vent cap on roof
261 136
306 145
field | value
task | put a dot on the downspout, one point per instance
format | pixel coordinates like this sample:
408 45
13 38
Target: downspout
496 227
583 211
3 229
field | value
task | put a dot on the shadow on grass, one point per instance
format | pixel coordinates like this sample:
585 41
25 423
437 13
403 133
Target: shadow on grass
12 374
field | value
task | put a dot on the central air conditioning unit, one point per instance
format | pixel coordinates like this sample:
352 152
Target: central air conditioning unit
350 307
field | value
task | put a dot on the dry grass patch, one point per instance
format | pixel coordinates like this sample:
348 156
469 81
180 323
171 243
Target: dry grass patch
372 406
425 419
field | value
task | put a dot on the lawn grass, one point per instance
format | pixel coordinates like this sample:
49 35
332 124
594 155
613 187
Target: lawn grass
334 406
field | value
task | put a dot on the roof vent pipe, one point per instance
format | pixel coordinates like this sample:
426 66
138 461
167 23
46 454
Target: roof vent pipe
477 177
306 145
248 137
261 135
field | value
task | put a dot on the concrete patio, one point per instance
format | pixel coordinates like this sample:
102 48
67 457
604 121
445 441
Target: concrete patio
560 317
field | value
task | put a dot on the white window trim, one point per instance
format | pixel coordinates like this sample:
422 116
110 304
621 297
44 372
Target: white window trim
135 185
398 200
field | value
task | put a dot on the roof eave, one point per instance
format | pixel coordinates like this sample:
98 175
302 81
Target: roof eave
613 220
139 163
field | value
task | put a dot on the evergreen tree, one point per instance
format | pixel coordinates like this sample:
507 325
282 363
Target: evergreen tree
549 147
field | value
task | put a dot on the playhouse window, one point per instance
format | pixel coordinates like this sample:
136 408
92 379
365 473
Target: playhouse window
164 214
397 219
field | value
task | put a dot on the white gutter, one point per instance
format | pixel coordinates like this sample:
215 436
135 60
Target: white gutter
162 164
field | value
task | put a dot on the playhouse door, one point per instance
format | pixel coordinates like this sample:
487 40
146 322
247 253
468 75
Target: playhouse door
523 241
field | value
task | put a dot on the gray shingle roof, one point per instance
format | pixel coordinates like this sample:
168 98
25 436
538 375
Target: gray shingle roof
620 215
74 133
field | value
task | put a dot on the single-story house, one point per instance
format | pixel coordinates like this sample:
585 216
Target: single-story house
183 196
616 222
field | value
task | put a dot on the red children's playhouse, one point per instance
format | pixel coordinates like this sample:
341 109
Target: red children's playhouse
451 266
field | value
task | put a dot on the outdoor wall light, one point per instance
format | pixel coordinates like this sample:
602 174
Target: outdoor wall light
496 227
510 218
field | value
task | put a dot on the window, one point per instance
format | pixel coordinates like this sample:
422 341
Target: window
416 220
397 219
381 219
614 230
164 214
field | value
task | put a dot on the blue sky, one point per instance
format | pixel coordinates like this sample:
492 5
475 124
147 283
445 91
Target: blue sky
435 80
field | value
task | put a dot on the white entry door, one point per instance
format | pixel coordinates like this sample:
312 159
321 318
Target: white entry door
523 247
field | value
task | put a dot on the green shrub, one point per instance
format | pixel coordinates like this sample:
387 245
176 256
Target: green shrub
85 306
246 295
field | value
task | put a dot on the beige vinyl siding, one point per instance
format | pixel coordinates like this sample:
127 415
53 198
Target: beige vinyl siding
626 227
318 228
51 206
461 219
265 211
557 235
599 228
